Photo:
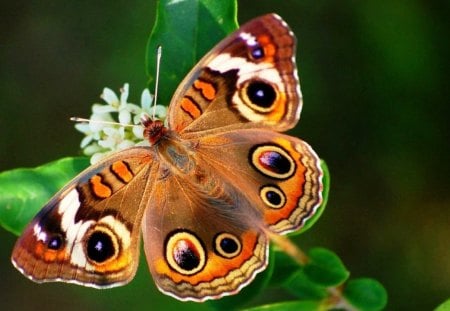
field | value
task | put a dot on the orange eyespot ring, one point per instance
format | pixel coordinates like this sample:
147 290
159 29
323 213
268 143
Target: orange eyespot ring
272 160
185 253
227 245
260 95
272 196
101 245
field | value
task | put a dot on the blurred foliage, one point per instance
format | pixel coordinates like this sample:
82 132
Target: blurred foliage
445 306
373 75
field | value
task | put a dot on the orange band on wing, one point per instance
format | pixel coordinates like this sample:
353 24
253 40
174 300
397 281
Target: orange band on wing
118 264
299 195
99 188
190 107
122 171
207 89
216 266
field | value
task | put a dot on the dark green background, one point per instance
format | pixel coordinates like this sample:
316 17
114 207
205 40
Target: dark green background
375 82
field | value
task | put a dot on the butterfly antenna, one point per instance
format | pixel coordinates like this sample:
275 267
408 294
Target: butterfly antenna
77 119
158 64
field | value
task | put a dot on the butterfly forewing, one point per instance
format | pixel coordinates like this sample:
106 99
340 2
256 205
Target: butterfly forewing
248 80
89 232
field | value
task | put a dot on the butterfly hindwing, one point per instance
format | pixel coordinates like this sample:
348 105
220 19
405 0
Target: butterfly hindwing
206 231
200 239
279 174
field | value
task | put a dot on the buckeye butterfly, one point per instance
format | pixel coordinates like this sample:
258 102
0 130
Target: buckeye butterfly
217 180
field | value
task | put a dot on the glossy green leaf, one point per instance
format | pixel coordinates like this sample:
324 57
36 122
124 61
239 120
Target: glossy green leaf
303 305
284 267
366 294
186 30
325 268
444 306
24 191
326 189
302 287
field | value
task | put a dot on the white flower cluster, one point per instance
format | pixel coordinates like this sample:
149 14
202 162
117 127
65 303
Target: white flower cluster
116 125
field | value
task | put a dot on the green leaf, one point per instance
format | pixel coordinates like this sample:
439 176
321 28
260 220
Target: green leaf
302 287
24 191
186 30
326 189
325 268
289 306
284 266
366 294
444 306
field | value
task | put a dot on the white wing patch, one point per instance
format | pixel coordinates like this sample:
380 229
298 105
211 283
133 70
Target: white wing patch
75 231
248 71
39 234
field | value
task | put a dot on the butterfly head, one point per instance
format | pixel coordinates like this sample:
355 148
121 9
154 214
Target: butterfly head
154 130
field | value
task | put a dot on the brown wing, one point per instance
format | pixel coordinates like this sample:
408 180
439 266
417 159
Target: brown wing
279 174
199 238
89 232
248 80
205 230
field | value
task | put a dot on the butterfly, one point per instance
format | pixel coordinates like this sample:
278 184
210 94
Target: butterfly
216 181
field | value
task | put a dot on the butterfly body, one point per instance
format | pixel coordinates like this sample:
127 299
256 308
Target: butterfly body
206 193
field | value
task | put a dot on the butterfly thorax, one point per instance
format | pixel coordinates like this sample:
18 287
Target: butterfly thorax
154 130
174 153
